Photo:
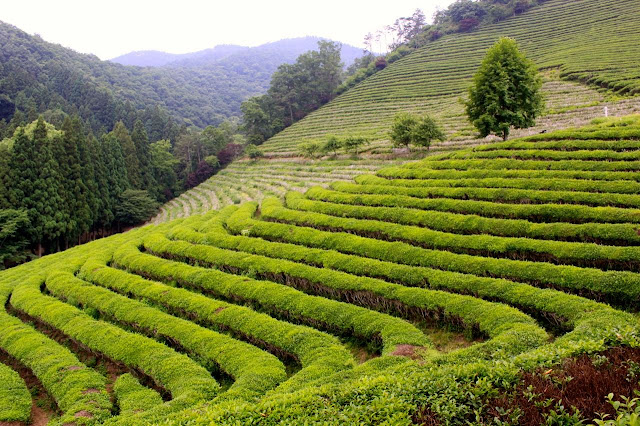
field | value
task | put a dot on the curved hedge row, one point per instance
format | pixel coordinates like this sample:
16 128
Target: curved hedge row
417 173
571 213
325 313
176 373
358 206
253 370
15 399
582 185
618 287
495 320
505 195
319 353
79 391
554 306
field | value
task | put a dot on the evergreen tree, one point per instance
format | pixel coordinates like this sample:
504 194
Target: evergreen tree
129 153
141 143
115 175
36 186
77 190
505 91
135 206
99 154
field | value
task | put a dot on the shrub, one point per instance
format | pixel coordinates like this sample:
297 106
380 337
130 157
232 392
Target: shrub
354 143
310 149
332 144
409 129
253 152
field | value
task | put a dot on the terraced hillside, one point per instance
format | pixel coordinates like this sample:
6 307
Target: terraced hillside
588 51
592 41
415 294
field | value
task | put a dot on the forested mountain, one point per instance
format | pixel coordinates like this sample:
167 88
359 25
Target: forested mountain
268 55
156 58
50 80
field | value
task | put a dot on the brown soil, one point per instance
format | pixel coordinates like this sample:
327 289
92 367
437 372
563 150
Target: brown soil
409 351
581 383
43 406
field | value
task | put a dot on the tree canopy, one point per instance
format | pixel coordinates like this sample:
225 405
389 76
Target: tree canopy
505 92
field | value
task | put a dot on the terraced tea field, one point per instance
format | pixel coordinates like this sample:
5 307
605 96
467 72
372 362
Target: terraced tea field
588 51
589 41
569 104
412 294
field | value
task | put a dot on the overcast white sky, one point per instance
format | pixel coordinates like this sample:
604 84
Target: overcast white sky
111 28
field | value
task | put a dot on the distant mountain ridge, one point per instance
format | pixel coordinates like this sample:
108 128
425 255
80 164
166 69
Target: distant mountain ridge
289 49
157 58
204 88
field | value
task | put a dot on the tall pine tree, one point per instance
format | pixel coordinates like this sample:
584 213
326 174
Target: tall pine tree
141 142
129 153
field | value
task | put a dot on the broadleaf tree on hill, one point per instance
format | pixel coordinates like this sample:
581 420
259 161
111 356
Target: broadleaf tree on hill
505 92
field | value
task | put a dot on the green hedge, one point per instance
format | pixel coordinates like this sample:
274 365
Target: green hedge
176 373
336 316
319 353
253 370
550 305
581 254
75 387
425 173
359 206
619 287
548 155
419 304
571 213
132 397
531 183
502 195
510 164
15 399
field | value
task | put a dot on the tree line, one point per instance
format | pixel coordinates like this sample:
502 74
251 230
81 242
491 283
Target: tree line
61 185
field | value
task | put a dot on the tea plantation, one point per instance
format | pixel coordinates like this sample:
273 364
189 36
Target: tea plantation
588 52
417 294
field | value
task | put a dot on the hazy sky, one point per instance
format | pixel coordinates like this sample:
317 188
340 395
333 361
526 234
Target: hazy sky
114 27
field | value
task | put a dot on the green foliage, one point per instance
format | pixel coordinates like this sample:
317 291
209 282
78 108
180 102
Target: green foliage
505 91
14 228
353 143
310 149
627 412
253 152
135 206
332 145
410 129
401 133
15 400
132 397
295 90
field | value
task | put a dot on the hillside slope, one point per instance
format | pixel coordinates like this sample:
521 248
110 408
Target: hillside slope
593 41
415 295
590 52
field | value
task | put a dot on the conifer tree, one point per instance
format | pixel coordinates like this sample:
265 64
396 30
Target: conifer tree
141 142
115 173
76 187
129 153
36 186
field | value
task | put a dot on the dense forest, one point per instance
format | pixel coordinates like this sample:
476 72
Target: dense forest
205 90
64 186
